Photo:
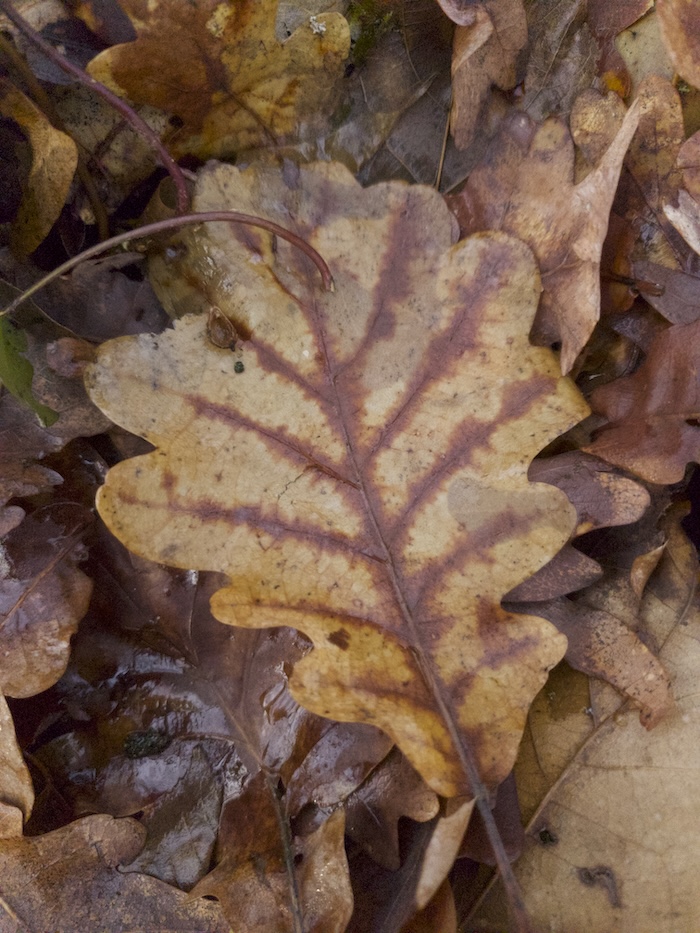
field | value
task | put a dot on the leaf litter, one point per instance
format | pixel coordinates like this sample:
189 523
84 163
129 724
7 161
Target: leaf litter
386 490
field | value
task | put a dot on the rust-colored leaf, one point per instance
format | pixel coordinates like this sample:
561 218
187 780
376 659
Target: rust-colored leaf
363 475
526 187
233 83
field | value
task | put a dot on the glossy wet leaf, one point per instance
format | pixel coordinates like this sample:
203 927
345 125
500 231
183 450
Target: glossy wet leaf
367 472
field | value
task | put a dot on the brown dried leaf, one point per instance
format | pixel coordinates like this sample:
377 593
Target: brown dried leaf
679 23
485 53
526 187
16 788
43 596
393 790
70 879
366 471
233 84
653 414
54 160
602 645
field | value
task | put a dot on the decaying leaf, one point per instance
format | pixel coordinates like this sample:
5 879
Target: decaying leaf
359 466
485 53
53 163
653 414
233 84
15 782
526 187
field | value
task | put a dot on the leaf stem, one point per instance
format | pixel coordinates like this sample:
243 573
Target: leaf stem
127 112
173 223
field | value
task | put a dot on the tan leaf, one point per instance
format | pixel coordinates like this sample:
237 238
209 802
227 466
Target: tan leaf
358 467
485 53
232 83
679 24
615 846
526 187
54 160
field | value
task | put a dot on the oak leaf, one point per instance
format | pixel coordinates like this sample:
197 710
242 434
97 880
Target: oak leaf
233 83
526 187
358 466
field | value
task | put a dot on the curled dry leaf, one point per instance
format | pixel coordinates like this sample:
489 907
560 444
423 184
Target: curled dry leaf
526 187
54 160
653 415
358 467
43 596
233 84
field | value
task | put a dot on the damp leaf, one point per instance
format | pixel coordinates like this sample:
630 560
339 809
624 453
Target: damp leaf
357 466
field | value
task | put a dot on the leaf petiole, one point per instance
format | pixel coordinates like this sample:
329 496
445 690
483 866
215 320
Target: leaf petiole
173 223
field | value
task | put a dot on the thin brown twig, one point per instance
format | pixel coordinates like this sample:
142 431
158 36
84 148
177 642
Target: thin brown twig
173 223
127 112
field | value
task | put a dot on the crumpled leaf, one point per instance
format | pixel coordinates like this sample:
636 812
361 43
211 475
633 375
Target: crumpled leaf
652 415
43 596
525 187
679 24
614 845
485 53
70 880
54 160
358 466
233 84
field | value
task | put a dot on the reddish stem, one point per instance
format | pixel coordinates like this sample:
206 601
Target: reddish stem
129 114
172 223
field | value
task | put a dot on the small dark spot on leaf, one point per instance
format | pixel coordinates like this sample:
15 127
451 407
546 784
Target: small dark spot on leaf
603 877
693 422
340 638
238 367
547 837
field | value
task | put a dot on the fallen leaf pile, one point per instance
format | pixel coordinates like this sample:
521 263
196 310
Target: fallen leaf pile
347 576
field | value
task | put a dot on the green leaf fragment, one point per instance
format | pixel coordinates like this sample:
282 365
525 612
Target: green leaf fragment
16 372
